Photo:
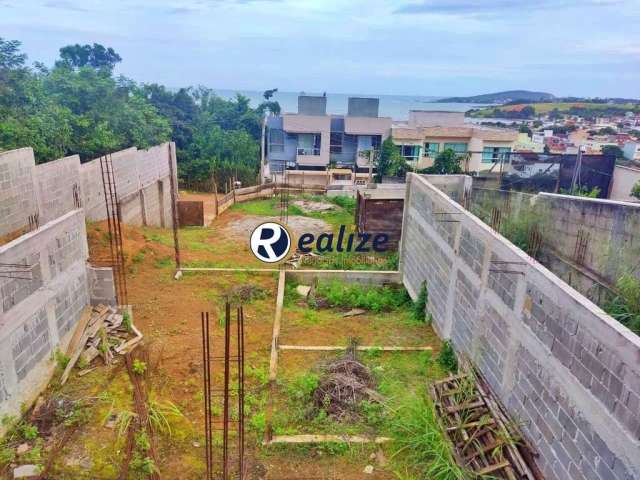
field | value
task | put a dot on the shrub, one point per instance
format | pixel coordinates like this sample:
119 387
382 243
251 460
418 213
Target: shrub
625 307
303 386
139 367
420 305
447 357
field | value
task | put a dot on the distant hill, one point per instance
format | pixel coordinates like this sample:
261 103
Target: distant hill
502 97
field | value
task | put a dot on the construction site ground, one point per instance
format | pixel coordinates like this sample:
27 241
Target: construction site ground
167 312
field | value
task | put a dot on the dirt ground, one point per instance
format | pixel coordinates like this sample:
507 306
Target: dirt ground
238 225
313 206
168 314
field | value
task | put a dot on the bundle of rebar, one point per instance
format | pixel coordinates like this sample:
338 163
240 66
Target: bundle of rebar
228 467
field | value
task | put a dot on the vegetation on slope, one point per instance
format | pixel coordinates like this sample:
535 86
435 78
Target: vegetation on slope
79 106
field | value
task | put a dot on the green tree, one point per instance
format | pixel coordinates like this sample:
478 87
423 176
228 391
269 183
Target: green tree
607 131
389 161
94 56
525 129
69 110
447 162
612 150
635 191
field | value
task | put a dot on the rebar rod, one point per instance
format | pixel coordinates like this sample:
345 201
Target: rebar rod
225 435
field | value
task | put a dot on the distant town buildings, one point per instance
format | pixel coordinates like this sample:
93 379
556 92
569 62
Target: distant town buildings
314 146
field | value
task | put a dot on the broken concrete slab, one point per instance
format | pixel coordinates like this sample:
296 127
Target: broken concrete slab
303 290
354 312
26 471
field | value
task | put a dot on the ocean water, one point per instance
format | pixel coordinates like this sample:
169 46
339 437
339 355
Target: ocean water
394 106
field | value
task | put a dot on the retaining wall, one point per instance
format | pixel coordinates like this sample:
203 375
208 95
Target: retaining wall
143 183
588 242
40 305
559 364
17 192
51 189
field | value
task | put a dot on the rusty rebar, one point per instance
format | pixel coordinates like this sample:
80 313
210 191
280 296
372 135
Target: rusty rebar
225 434
204 317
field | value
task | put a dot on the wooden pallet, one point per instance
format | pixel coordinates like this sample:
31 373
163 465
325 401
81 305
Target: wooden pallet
483 439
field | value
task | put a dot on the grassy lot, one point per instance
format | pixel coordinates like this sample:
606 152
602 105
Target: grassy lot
418 449
342 213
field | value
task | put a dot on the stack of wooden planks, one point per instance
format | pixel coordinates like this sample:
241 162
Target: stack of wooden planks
484 440
101 331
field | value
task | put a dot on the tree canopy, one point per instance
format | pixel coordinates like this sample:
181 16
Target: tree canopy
80 107
447 162
389 161
94 56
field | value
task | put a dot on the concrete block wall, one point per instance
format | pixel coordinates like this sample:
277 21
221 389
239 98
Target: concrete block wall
609 232
142 182
17 192
58 187
40 308
612 230
561 366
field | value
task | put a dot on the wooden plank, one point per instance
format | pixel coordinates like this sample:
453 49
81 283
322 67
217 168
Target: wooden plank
472 425
74 344
310 438
465 406
273 361
91 327
493 468
360 348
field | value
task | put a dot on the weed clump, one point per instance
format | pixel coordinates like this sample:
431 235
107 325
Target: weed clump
420 441
243 294
625 307
447 357
353 295
420 305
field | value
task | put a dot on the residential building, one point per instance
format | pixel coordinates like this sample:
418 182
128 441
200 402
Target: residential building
524 143
631 151
426 134
312 140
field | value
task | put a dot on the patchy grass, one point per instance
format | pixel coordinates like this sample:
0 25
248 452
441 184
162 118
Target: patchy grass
269 207
343 214
370 297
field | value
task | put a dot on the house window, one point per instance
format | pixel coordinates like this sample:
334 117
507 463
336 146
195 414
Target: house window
410 152
335 142
431 149
276 140
495 154
456 147
308 144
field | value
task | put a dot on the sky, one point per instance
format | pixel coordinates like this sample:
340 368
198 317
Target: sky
403 47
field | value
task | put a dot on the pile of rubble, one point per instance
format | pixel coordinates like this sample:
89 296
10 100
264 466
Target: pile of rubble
102 331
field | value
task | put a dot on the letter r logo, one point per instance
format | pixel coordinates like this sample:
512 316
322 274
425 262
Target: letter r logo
270 242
